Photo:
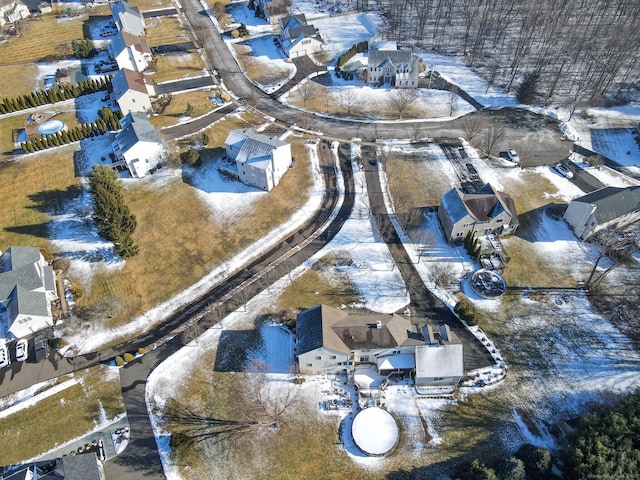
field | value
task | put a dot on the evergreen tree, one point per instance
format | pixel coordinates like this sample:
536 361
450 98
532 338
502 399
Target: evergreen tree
526 93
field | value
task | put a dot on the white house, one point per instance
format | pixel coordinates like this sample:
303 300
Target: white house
272 10
388 64
13 11
297 37
127 18
138 145
27 288
261 160
485 211
332 341
130 51
609 207
131 91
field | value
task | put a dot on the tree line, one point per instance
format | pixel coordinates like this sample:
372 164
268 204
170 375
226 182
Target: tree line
111 215
57 93
580 50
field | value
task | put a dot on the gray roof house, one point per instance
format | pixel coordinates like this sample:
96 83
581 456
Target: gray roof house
261 161
27 288
138 145
85 466
486 211
389 64
272 10
297 37
608 207
130 51
332 341
127 17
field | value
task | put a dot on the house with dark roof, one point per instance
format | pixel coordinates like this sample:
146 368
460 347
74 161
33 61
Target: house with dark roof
272 10
261 161
388 64
127 17
297 37
85 466
608 207
13 11
131 91
130 51
27 288
483 212
138 145
332 341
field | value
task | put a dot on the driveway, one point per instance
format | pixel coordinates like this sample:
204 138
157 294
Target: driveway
184 85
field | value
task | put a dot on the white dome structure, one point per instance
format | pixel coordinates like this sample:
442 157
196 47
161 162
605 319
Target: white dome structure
375 431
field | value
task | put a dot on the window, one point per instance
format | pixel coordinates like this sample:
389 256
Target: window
309 364
459 234
499 220
318 357
333 357
364 358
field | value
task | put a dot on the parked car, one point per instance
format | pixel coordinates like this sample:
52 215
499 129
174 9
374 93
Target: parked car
41 347
564 170
5 361
22 350
513 155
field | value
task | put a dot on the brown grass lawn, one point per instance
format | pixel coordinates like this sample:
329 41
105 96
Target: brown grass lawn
198 99
173 67
144 5
42 38
60 417
180 242
16 80
258 71
45 180
164 31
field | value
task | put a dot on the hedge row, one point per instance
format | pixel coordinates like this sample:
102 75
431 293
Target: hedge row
359 47
57 93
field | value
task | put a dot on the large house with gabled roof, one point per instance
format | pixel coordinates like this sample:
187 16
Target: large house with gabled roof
13 11
138 146
261 161
272 10
297 37
127 17
131 91
388 64
27 288
332 341
483 212
130 51
608 207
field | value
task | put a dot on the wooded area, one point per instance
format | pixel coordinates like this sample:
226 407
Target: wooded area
583 50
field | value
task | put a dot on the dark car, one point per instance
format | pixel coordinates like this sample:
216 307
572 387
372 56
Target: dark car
41 348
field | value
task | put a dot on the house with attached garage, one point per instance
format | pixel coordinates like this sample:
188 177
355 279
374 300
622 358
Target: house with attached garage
131 91
297 37
138 146
27 288
332 341
608 207
127 18
389 64
261 161
130 51
13 11
483 212
272 10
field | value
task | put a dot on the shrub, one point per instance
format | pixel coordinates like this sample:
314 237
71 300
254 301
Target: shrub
57 343
83 48
467 311
537 461
191 157
128 357
77 291
142 351
119 361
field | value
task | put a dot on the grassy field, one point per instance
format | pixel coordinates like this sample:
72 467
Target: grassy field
258 71
16 80
171 115
61 417
46 180
42 38
164 31
173 67
173 249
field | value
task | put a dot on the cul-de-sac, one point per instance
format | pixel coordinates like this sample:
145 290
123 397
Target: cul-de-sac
319 239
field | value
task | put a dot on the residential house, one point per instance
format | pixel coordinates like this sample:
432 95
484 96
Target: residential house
332 341
486 211
297 37
272 10
608 207
27 288
131 91
138 145
127 18
261 161
130 51
13 11
389 64
441 361
44 7
85 466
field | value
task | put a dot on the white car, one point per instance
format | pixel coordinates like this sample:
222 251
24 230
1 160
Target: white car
513 155
564 170
5 361
22 350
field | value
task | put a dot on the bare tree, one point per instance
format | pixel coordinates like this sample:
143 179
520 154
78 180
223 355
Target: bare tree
614 246
472 125
349 100
440 273
492 137
401 99
453 96
306 92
